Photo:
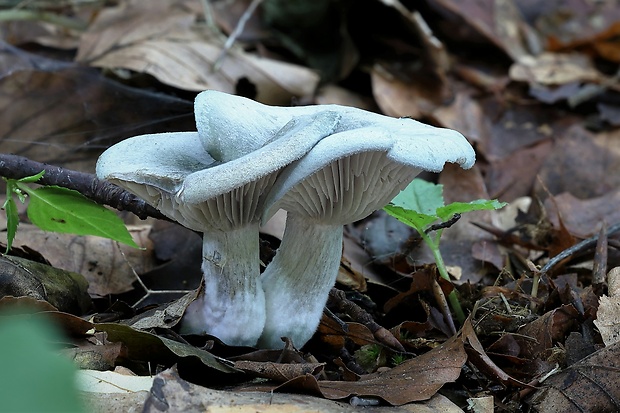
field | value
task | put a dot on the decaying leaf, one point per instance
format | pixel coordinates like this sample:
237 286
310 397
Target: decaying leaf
64 290
592 384
148 347
555 69
537 338
171 392
109 268
166 44
499 21
414 380
587 166
66 114
279 372
608 314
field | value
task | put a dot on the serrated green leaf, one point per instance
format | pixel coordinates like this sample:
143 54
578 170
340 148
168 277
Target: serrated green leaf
421 196
57 209
448 211
12 221
412 218
33 178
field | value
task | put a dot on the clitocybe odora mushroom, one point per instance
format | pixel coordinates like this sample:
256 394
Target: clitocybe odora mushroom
344 178
214 181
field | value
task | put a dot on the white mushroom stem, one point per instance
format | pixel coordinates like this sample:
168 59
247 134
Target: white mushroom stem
298 280
232 304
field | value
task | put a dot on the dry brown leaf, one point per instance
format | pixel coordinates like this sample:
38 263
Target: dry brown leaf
608 314
65 115
465 115
415 98
163 316
582 163
333 334
500 21
171 48
591 385
583 217
537 338
131 23
172 393
332 94
555 69
108 267
514 175
414 380
279 372
479 358
185 60
578 25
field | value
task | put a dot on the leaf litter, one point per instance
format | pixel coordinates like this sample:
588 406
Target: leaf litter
542 114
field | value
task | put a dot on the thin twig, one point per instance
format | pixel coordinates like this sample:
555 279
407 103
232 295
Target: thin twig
235 34
440 297
358 314
580 246
599 271
102 192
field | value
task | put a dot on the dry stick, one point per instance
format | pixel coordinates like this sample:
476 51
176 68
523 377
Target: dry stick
238 30
600 259
358 314
583 245
440 297
102 192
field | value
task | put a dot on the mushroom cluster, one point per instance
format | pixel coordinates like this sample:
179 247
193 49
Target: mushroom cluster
326 165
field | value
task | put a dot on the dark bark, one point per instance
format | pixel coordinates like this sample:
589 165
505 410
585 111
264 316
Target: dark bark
102 192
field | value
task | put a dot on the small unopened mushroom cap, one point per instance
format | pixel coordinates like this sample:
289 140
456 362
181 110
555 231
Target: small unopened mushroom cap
350 174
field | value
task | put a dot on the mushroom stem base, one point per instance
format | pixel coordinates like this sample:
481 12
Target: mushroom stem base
298 280
231 305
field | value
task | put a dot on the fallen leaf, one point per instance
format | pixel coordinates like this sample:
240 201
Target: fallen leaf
499 21
583 217
415 98
537 338
64 290
147 347
414 380
167 45
108 267
608 314
582 163
592 384
66 114
479 358
514 176
172 393
279 372
93 381
555 69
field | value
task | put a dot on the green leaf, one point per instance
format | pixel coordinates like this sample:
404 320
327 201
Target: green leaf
448 211
12 221
57 209
421 196
33 178
412 218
